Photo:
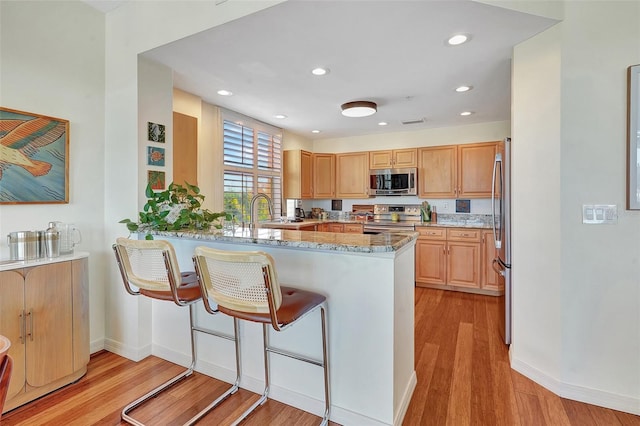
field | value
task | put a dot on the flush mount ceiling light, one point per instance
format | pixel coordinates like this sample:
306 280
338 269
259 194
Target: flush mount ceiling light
224 93
315 131
463 89
466 113
359 109
280 116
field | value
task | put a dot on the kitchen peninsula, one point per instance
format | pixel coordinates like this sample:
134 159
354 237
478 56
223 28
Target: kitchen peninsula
369 284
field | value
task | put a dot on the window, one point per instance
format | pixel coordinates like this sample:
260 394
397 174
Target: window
252 165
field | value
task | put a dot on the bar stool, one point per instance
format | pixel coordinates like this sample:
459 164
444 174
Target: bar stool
245 286
150 268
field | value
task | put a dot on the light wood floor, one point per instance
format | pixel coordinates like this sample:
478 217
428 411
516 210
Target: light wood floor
463 379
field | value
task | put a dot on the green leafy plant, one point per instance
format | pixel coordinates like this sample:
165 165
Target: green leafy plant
178 208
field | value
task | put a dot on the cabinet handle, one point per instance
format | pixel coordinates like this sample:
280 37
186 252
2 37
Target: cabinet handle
22 327
30 334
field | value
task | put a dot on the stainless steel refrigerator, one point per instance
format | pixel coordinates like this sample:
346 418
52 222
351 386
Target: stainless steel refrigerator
501 218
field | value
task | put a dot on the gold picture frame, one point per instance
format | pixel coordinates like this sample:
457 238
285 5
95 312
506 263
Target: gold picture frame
34 158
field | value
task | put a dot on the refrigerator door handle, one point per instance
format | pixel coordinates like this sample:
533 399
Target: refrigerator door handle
497 171
495 267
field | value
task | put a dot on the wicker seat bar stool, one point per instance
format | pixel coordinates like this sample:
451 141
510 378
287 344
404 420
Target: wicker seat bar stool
245 286
150 268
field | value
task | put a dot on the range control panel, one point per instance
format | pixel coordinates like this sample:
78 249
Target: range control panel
407 210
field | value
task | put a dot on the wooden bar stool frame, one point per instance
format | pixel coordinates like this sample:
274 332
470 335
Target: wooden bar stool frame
274 296
171 288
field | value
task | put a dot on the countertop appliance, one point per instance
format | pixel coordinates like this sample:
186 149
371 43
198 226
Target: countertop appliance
392 217
393 181
299 213
501 219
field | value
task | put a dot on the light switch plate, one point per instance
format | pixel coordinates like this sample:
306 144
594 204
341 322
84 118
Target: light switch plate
598 214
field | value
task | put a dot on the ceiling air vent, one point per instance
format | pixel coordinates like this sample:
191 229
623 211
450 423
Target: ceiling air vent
417 121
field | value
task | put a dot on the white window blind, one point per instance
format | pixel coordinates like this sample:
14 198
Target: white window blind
252 165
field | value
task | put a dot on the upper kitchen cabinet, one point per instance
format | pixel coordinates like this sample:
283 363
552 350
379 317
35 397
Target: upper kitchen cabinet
297 172
393 159
437 172
352 175
456 171
324 175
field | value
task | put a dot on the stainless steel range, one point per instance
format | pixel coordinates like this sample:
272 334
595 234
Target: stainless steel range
393 217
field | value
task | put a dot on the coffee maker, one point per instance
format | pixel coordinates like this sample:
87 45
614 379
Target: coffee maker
299 213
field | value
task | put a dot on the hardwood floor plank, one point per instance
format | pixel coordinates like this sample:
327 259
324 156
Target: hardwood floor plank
459 412
578 412
552 407
529 410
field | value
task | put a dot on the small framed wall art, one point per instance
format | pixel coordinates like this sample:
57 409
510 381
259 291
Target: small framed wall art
156 180
155 156
155 132
34 158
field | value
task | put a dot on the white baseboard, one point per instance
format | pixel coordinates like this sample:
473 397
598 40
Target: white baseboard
406 399
134 354
578 393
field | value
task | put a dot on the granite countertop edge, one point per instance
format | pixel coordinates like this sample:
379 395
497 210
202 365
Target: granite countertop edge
324 241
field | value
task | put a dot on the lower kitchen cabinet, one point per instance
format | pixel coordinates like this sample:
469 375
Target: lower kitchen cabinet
44 311
347 228
454 259
353 228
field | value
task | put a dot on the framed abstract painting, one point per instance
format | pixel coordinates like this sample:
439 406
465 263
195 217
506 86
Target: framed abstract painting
34 158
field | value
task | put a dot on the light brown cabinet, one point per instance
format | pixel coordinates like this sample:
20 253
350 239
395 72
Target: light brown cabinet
448 257
456 171
297 172
393 159
324 175
44 311
353 228
352 175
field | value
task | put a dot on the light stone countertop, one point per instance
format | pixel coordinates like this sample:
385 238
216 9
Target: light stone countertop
330 241
8 265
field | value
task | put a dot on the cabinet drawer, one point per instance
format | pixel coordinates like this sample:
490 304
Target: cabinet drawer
463 234
430 233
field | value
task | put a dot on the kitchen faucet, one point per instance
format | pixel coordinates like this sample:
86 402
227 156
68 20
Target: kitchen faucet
254 217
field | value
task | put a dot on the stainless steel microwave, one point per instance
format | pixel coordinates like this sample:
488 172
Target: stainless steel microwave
393 181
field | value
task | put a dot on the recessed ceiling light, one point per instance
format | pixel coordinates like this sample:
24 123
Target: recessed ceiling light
224 93
281 116
463 88
359 109
320 71
315 131
458 39
465 113
382 123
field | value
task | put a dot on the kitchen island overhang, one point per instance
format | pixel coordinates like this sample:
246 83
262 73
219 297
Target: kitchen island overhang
369 284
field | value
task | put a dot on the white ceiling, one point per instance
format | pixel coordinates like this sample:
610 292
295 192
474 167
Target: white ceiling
390 52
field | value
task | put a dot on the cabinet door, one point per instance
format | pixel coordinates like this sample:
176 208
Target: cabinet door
297 174
463 264
49 351
81 338
437 172
380 159
490 278
352 175
430 261
475 169
323 227
324 175
405 158
336 227
306 175
353 228
11 326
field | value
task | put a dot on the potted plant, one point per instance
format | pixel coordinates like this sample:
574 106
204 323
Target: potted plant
178 208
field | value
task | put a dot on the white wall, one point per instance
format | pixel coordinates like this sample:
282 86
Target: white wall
52 63
577 299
